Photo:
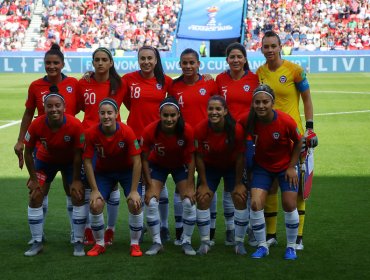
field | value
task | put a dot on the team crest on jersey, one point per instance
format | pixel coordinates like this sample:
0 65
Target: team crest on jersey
121 144
180 142
159 87
67 138
69 89
282 79
202 91
246 88
276 135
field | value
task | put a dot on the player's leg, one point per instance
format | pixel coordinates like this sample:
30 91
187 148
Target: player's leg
271 209
135 216
289 203
112 213
228 205
163 214
301 207
88 234
69 204
241 218
213 210
177 206
105 185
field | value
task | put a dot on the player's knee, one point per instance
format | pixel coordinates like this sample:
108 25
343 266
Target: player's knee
36 198
289 205
132 208
239 202
256 204
78 198
186 203
97 207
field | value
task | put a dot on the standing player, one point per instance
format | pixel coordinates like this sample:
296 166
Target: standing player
289 82
67 87
168 148
219 154
145 89
277 147
236 85
192 92
61 140
105 82
118 160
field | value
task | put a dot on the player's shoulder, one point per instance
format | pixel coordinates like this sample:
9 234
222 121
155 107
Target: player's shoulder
73 120
39 82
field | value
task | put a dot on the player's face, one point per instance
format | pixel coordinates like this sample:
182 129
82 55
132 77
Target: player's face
271 48
102 63
189 65
216 112
236 60
147 61
107 116
54 109
262 105
169 116
53 65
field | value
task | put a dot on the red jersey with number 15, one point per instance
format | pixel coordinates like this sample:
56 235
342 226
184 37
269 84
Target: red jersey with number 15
113 152
274 142
142 98
39 88
168 151
193 99
56 147
214 147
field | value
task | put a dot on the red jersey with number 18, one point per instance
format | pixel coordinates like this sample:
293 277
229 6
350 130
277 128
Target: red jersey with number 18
142 98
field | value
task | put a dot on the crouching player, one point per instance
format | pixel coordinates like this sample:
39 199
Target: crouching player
118 160
277 147
168 148
61 138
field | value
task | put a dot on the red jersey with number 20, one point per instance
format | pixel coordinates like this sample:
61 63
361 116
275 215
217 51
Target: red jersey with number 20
168 151
113 152
214 148
274 142
56 147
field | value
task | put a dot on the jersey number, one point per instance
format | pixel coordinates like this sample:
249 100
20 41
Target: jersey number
90 98
135 92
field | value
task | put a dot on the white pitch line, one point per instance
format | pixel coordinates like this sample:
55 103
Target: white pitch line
10 124
342 113
342 92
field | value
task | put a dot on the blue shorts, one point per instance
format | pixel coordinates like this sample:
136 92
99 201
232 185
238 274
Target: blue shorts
214 175
160 173
50 170
263 179
107 181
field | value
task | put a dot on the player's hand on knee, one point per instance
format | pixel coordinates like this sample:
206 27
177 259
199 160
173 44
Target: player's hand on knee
77 190
95 198
292 177
203 193
134 200
149 194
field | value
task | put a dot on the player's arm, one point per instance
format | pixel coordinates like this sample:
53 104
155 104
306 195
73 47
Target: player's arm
203 189
33 182
310 136
291 173
25 123
76 187
146 176
190 180
134 196
240 189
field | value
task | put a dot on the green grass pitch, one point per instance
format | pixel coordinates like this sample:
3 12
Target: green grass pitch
337 228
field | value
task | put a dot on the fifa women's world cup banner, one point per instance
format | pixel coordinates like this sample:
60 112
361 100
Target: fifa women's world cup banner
217 19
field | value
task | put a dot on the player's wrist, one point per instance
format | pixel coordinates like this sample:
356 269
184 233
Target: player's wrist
309 124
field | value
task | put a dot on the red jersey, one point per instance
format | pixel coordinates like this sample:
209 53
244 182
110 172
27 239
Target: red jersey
238 94
90 94
193 99
168 151
274 142
114 152
142 98
214 148
39 88
56 147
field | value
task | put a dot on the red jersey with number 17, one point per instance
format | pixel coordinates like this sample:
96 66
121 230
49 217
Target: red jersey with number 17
214 146
168 151
39 88
274 142
238 93
90 94
56 147
113 152
142 98
193 99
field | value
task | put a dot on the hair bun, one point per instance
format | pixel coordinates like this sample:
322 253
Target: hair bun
53 88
